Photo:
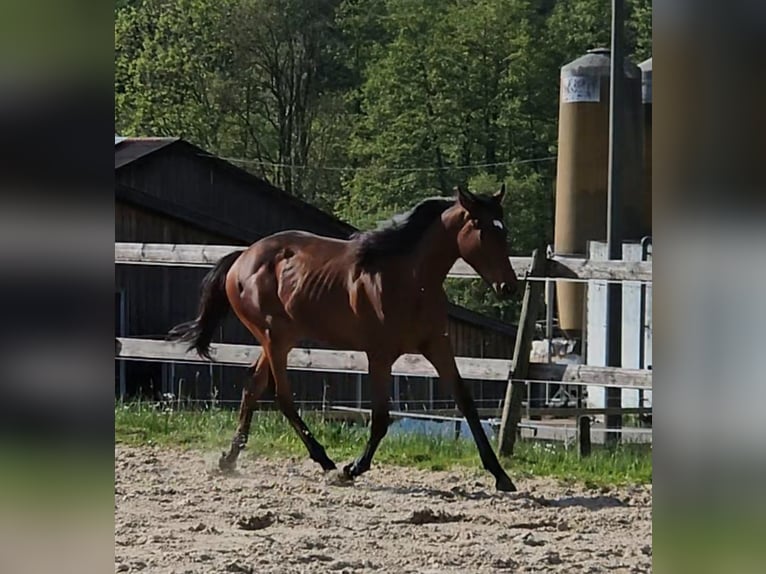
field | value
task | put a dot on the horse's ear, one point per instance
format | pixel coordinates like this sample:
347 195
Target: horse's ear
465 198
500 194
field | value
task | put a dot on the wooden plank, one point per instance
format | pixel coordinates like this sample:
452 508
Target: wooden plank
595 327
517 389
631 322
307 359
171 254
559 267
575 268
591 375
461 269
407 365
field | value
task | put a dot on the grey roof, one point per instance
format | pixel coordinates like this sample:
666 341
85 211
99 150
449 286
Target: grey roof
597 62
128 150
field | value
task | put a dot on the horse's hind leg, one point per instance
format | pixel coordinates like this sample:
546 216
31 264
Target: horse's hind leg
284 396
252 391
380 373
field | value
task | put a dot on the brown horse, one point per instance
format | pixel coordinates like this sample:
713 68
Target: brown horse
379 292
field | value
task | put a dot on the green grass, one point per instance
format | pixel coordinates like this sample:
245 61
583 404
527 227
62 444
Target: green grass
270 435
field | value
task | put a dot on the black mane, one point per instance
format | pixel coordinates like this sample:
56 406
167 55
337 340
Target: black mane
397 235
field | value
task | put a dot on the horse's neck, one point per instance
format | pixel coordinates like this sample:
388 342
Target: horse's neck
435 255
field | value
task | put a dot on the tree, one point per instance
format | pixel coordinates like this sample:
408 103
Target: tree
168 69
453 98
243 78
283 64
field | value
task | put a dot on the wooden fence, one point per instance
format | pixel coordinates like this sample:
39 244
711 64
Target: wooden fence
562 268
518 372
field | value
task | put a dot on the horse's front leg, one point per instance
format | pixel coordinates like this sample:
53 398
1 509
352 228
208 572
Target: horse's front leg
380 375
439 353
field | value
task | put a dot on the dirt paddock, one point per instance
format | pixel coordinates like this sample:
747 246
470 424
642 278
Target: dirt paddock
175 514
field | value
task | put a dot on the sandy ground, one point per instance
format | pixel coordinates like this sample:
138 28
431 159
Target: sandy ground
175 514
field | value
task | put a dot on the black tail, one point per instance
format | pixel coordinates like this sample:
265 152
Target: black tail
213 307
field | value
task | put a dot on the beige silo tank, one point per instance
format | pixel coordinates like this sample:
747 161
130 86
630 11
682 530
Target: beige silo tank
582 170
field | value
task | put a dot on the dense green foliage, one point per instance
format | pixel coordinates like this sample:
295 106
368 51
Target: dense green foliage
364 107
272 435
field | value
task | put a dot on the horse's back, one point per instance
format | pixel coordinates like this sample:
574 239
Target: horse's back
296 237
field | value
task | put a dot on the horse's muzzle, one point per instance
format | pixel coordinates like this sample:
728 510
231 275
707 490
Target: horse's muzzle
505 290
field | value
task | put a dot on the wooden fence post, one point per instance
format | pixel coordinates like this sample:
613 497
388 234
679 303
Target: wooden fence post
583 431
515 390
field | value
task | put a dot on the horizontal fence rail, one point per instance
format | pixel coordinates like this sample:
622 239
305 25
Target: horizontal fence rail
558 267
407 365
492 413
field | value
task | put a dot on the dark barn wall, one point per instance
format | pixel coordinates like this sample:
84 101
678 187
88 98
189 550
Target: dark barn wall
137 224
157 298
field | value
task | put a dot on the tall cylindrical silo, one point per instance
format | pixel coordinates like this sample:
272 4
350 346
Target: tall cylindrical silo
582 171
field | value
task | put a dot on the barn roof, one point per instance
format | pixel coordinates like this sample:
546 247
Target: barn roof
130 150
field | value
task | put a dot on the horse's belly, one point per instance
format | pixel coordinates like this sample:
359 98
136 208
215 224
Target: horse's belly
327 320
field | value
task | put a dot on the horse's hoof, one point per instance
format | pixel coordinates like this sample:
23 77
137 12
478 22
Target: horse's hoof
338 478
225 464
504 484
348 472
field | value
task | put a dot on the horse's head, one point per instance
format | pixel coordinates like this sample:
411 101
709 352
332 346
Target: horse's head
483 240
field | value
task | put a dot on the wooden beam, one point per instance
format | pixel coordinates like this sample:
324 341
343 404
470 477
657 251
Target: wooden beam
307 359
169 254
583 375
407 365
561 267
516 387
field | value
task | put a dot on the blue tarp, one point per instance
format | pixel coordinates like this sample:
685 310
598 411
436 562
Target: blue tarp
445 429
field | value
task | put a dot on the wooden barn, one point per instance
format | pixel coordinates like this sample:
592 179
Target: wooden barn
170 191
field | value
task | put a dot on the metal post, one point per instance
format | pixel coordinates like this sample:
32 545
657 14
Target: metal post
614 202
359 391
550 295
645 243
430 393
583 435
123 332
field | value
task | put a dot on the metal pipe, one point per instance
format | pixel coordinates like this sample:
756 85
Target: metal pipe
614 207
646 243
